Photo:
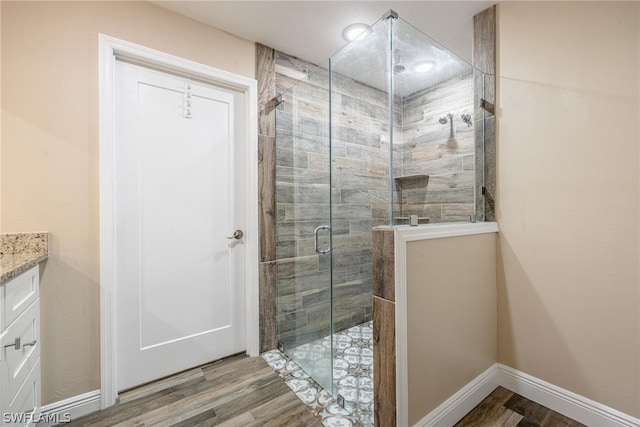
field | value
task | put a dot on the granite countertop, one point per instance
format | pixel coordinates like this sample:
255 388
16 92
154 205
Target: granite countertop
21 251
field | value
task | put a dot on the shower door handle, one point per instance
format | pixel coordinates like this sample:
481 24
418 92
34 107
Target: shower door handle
315 234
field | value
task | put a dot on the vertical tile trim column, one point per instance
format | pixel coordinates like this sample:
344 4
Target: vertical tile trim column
265 73
484 59
384 327
484 41
384 362
268 309
382 252
267 196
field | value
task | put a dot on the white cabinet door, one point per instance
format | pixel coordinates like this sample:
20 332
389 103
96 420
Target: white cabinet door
179 280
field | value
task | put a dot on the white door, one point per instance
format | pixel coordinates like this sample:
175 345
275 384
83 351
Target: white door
179 280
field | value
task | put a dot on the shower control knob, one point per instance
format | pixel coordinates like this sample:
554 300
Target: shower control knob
238 234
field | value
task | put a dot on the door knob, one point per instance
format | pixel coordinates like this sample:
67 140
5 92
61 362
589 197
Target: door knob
238 234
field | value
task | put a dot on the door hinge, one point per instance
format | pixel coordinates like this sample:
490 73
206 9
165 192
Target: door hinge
187 102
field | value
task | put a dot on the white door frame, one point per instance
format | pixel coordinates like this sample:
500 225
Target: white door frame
110 49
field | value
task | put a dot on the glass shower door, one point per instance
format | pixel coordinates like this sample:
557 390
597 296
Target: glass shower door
362 123
303 226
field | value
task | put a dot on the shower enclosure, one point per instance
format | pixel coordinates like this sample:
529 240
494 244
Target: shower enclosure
384 134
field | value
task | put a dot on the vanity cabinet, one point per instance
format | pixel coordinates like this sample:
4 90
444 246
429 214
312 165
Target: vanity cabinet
20 350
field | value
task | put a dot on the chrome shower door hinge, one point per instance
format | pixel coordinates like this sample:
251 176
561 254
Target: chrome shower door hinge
340 400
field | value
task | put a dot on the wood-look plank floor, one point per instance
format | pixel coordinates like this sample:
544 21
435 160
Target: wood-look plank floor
503 408
245 391
236 391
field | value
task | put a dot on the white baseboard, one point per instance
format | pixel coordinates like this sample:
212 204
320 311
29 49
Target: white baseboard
70 409
464 400
567 403
563 401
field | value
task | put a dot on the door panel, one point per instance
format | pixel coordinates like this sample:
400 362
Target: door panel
180 302
303 226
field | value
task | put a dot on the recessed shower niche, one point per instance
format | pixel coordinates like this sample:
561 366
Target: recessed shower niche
386 131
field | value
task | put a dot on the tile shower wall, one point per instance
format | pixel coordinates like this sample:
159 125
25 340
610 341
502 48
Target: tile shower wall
360 153
359 194
432 148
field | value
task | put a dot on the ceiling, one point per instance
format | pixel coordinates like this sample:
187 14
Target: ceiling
312 30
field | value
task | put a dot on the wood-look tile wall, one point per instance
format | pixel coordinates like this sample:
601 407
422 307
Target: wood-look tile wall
455 166
484 59
359 197
294 197
302 200
429 148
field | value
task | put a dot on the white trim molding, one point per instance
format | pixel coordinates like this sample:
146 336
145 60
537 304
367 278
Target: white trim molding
70 409
402 357
567 403
111 49
451 229
463 401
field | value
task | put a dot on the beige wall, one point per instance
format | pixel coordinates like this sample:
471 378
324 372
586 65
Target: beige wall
50 152
451 317
567 196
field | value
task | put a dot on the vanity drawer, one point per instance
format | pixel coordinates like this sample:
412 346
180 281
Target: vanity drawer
18 363
19 293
